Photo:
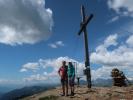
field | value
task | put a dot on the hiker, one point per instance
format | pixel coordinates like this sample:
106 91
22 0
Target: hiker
71 77
64 78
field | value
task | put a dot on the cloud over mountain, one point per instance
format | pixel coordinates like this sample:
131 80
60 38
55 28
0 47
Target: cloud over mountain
122 7
120 56
43 64
24 21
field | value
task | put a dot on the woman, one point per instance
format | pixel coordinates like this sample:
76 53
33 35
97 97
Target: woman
71 76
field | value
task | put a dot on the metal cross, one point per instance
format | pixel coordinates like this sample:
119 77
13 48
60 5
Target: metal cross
84 23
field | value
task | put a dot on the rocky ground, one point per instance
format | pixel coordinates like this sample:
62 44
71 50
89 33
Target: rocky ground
82 93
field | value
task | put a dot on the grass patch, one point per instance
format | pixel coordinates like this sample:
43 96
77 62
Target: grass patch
51 97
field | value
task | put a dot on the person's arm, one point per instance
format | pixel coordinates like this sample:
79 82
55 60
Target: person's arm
59 71
68 70
73 74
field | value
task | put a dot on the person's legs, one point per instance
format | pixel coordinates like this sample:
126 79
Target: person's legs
72 86
66 85
73 89
63 87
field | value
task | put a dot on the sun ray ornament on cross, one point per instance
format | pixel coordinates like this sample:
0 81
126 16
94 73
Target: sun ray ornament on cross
83 25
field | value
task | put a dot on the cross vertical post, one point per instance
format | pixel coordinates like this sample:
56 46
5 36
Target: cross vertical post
85 21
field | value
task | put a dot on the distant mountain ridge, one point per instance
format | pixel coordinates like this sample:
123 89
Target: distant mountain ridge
23 92
99 82
102 82
1 94
4 89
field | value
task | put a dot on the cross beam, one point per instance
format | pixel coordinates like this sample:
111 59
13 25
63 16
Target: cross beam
84 23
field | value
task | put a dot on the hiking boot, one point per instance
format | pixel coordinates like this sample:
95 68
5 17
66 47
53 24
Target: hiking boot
72 94
67 95
62 94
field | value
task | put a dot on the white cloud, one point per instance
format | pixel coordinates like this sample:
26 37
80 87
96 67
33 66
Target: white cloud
23 70
10 82
122 7
36 77
111 40
121 57
49 63
56 63
53 63
57 44
102 72
24 21
3 81
130 41
114 19
30 66
52 45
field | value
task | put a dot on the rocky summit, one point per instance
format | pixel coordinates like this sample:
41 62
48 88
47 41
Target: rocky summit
83 93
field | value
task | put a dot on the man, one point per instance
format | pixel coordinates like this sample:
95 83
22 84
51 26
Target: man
71 76
64 78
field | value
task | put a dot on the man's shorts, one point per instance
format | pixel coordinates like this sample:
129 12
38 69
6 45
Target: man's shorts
71 81
64 82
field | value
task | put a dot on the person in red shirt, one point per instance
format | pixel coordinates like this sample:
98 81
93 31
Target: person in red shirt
64 78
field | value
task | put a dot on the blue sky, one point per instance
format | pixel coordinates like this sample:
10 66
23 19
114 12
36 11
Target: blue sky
37 31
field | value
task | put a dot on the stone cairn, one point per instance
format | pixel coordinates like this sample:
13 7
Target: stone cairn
119 78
